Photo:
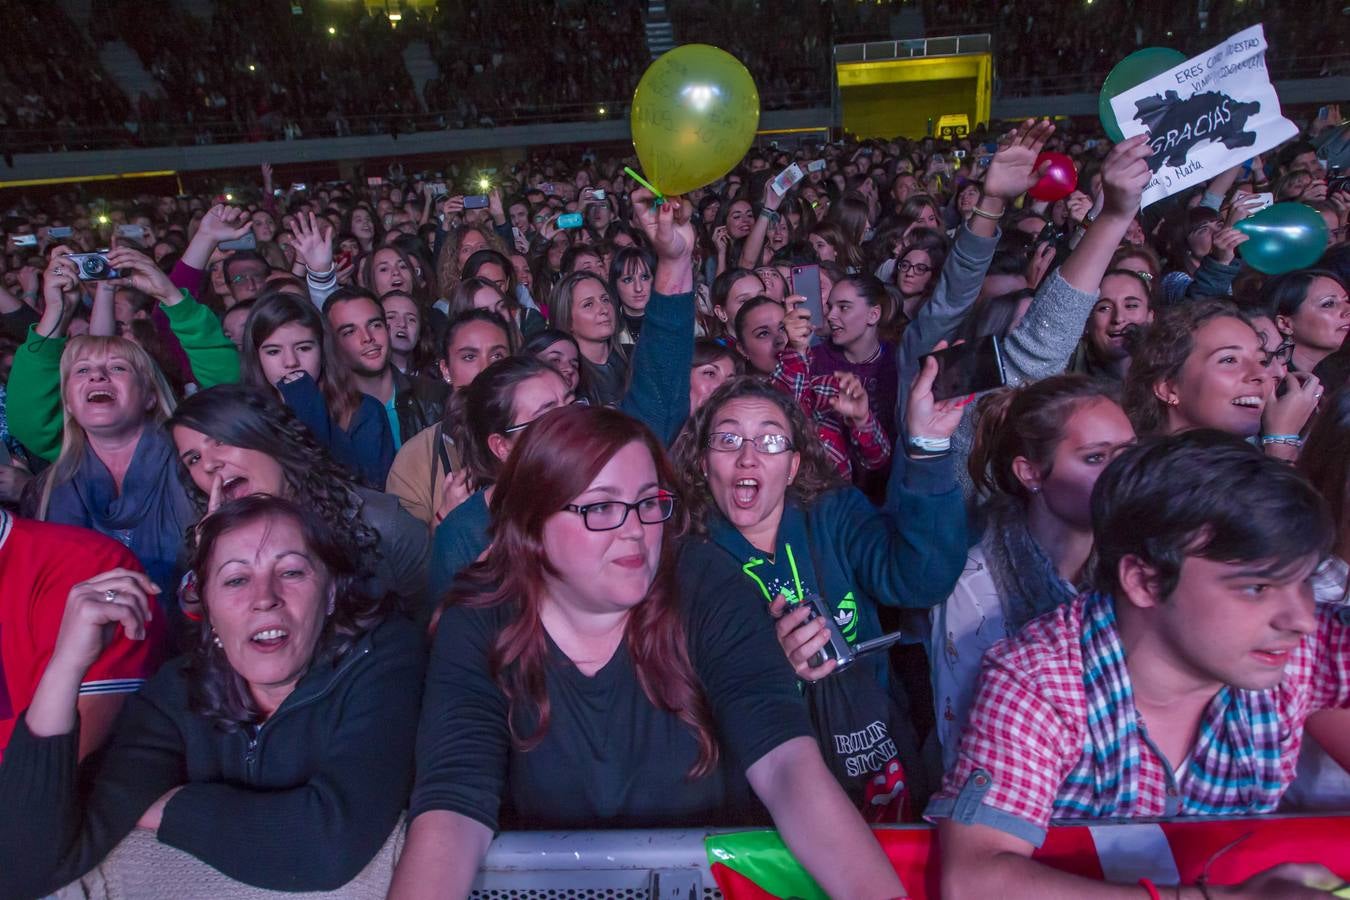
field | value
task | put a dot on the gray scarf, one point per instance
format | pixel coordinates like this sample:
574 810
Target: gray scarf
1028 583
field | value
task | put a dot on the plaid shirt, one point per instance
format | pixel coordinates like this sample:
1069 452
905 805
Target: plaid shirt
1025 754
868 443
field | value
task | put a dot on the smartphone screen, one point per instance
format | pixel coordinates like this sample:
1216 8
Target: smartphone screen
476 201
568 220
58 231
806 282
246 242
969 368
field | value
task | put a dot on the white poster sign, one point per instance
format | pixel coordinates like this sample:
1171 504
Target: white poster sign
1208 114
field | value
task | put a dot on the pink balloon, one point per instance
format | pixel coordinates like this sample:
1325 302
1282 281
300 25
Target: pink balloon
1059 180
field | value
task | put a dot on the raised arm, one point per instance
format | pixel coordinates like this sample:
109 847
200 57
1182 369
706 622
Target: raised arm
658 393
221 223
34 403
213 357
754 241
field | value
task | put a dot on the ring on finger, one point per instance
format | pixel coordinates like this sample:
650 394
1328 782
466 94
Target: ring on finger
110 596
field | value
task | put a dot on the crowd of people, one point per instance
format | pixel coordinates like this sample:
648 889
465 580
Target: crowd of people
276 75
343 528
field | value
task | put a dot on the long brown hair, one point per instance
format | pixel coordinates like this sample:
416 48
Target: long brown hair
556 459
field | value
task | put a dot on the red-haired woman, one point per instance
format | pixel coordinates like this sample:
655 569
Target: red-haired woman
578 682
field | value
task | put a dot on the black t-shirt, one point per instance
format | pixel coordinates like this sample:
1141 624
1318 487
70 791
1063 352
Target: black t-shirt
610 758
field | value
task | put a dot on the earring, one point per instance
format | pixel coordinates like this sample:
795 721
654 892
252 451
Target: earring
1035 488
215 639
1173 401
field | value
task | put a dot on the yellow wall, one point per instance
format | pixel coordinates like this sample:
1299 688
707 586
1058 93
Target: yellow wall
897 97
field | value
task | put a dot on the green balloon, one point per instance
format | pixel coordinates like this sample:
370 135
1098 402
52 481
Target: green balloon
1132 71
1283 237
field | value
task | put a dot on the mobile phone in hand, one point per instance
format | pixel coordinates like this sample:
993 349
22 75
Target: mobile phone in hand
247 241
570 220
475 201
132 232
805 281
784 180
23 240
969 368
59 231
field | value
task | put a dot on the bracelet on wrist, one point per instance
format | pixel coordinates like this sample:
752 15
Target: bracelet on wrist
928 446
1292 440
984 214
770 214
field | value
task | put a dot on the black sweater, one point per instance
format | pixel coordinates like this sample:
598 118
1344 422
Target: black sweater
301 803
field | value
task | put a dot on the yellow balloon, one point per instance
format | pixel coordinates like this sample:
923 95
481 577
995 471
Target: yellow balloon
694 115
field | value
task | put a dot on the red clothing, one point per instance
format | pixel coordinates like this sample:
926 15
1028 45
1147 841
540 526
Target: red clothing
39 564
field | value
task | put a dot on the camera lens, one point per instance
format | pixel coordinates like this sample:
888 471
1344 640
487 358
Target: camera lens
93 265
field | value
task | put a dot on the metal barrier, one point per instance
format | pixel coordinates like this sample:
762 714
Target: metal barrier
589 865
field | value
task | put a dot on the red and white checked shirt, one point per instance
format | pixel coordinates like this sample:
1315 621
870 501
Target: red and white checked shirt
1028 725
812 393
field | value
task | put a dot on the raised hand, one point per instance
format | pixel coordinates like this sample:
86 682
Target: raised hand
1078 205
1225 245
1125 174
851 401
1012 171
225 223
797 322
925 416
313 241
140 271
116 597
668 226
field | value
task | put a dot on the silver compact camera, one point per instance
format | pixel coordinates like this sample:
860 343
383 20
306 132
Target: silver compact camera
94 266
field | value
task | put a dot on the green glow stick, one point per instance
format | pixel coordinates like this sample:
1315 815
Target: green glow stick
660 197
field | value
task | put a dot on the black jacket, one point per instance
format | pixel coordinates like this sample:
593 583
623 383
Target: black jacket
419 403
301 803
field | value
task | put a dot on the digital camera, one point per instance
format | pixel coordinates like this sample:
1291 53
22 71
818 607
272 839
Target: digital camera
94 266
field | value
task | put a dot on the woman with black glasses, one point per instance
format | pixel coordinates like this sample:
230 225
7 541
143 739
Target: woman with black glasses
580 679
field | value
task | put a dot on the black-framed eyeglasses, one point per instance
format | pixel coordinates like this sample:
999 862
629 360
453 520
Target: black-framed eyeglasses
1284 351
608 515
523 425
916 268
730 442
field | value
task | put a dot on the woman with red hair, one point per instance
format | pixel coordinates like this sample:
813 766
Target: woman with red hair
581 679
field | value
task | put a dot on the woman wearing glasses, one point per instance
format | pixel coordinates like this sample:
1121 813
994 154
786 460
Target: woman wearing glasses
580 679
765 498
916 271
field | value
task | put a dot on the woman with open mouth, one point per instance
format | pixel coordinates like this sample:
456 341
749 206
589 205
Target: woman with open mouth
763 494
292 717
234 441
1203 365
95 407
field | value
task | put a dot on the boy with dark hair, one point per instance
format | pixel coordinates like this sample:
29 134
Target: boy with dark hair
1178 687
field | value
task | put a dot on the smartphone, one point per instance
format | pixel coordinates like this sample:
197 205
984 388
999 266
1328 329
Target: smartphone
438 190
23 240
784 180
547 188
805 281
517 235
816 165
299 186
131 232
475 201
342 260
598 194
58 231
1267 199
959 154
247 242
969 368
570 220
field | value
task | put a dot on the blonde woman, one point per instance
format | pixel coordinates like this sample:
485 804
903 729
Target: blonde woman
95 407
